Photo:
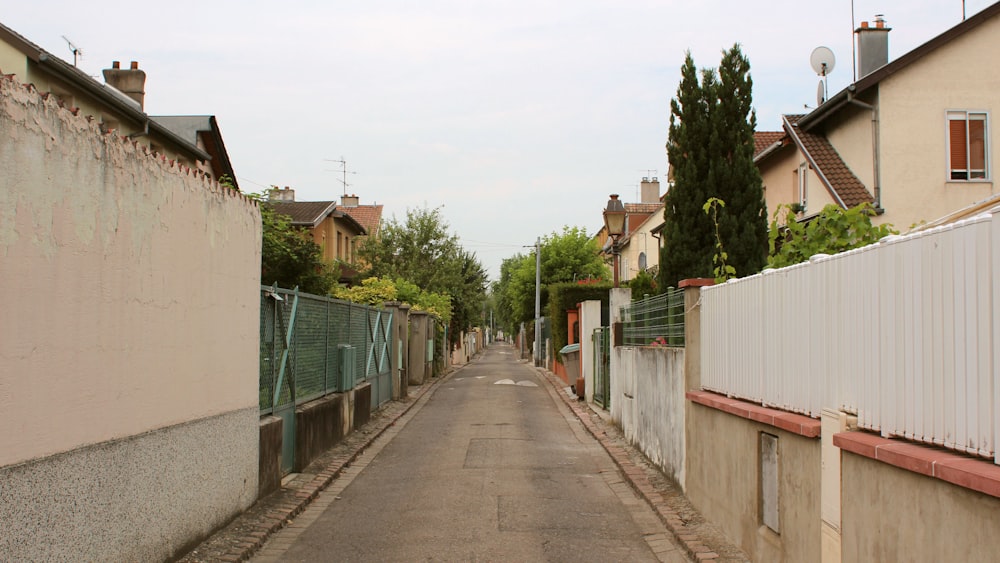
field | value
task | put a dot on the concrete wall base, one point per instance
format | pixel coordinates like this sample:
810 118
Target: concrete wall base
362 404
148 497
269 465
319 425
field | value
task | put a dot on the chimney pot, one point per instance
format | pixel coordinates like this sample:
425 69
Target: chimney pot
135 65
116 64
864 25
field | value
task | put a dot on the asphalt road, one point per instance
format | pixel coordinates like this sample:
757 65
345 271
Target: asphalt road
490 467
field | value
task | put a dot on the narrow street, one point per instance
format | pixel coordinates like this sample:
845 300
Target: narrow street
491 466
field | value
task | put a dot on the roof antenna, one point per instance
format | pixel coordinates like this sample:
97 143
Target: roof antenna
77 52
343 170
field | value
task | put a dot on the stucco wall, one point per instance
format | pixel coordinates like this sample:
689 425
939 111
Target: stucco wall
781 183
723 482
913 106
653 411
130 296
890 514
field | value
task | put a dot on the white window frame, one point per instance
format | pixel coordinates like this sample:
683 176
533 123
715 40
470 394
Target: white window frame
803 184
963 115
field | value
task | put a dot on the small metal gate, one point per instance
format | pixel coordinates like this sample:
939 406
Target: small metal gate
602 366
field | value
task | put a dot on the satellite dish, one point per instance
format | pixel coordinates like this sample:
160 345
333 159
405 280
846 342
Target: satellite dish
822 60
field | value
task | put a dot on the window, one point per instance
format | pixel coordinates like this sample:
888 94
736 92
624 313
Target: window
642 260
967 148
803 185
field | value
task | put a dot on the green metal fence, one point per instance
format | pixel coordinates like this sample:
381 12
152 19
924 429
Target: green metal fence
602 366
312 345
655 321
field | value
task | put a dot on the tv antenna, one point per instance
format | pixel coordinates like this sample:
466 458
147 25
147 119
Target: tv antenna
822 62
343 170
77 52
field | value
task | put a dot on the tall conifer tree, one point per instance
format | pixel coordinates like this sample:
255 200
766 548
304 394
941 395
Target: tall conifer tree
711 153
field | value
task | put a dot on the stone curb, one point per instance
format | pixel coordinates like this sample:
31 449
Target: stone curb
280 515
635 476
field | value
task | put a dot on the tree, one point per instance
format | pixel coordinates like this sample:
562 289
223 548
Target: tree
289 256
565 257
421 251
711 153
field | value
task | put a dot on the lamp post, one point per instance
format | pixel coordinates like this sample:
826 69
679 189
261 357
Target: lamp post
614 221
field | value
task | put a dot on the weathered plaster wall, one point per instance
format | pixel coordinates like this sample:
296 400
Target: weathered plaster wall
130 297
723 482
890 514
653 415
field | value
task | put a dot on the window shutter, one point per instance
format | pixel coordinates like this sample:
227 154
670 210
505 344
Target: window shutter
956 143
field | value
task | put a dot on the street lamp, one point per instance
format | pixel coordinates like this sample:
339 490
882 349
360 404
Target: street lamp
614 221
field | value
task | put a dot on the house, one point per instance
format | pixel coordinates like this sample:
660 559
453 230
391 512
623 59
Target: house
334 230
368 216
912 137
639 247
116 104
202 131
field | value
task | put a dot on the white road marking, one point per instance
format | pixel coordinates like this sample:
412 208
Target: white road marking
527 383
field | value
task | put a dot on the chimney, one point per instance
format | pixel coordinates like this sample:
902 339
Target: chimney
277 194
349 200
873 46
650 190
131 82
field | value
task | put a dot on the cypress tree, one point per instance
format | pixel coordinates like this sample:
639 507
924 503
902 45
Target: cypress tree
685 233
732 172
711 153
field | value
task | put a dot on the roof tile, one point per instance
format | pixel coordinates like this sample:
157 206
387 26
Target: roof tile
838 177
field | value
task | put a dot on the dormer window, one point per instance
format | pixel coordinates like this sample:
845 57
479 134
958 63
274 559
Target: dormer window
968 155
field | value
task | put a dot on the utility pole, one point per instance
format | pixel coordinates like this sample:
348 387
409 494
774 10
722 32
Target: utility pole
538 301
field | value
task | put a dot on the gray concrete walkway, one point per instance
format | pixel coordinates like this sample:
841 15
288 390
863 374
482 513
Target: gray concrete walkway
331 475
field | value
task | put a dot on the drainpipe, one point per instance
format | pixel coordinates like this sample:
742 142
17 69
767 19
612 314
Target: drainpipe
876 168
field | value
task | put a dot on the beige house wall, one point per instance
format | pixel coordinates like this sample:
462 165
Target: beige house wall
130 288
723 481
890 514
914 103
850 132
781 186
641 240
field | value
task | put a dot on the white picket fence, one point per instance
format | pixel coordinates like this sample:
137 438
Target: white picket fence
901 333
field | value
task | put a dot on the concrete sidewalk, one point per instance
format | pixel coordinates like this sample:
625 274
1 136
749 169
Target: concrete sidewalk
243 537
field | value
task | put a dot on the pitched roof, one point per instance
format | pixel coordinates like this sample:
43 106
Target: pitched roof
103 94
369 216
763 140
191 127
642 207
843 185
872 80
304 213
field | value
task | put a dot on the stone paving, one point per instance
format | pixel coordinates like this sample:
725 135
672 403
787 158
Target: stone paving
248 532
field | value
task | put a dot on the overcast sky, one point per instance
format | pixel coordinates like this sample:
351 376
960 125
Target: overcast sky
517 117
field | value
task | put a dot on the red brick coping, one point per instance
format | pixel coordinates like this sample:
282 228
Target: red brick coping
695 282
790 422
957 469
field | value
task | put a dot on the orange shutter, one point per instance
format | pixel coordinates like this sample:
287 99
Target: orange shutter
956 141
